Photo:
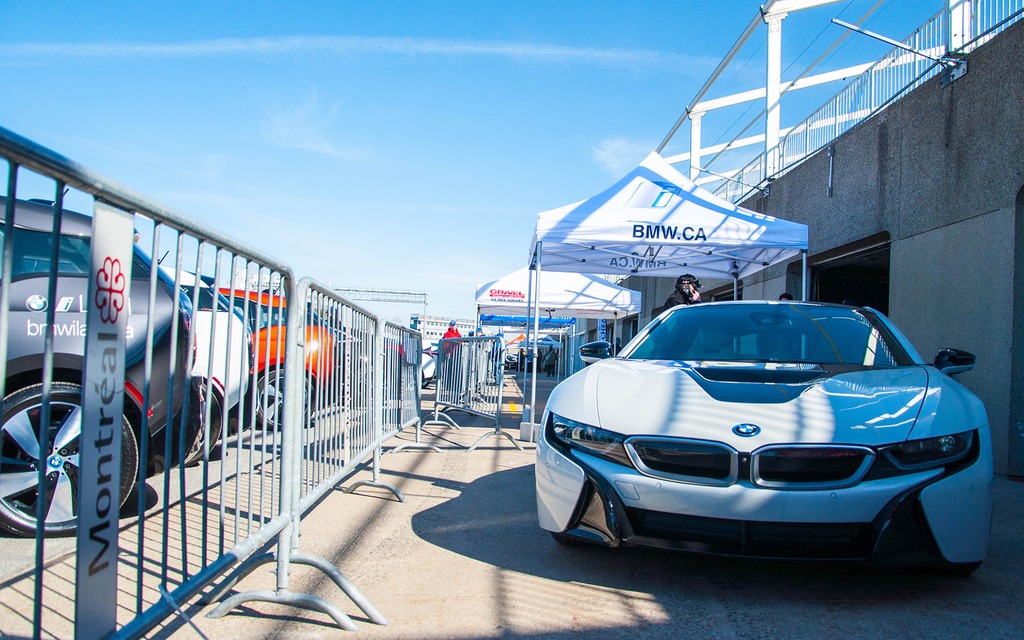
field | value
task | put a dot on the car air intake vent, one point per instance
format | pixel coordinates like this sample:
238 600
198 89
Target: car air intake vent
693 461
760 375
810 467
837 541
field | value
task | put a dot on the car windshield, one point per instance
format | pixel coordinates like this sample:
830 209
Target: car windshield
770 332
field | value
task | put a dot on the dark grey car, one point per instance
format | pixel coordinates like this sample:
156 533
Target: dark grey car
23 371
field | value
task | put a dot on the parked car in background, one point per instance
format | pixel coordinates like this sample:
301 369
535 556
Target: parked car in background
773 430
23 371
428 367
266 314
223 351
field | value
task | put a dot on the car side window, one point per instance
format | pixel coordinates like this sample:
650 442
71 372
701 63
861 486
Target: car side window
33 254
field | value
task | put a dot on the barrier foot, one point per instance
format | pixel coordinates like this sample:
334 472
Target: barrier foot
288 598
346 585
496 433
414 445
374 483
244 569
447 422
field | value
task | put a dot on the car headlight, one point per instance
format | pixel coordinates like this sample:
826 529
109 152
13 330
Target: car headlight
928 453
591 439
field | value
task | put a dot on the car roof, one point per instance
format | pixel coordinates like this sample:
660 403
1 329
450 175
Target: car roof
788 303
261 297
38 216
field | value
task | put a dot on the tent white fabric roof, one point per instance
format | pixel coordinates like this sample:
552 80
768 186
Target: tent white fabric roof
656 222
567 294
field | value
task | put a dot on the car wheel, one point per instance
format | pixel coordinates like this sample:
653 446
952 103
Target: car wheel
198 418
19 446
270 397
960 568
566 541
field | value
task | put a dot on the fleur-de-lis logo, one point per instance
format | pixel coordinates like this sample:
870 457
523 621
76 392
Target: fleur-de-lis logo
110 290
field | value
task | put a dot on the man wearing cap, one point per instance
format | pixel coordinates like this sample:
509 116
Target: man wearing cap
686 291
453 331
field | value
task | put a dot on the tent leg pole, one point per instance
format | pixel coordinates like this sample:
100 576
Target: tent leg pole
536 329
803 275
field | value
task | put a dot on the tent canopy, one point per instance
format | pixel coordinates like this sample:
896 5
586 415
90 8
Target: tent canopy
491 320
656 222
566 294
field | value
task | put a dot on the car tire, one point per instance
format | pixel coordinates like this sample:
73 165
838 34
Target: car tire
18 444
270 385
269 397
566 541
198 417
960 569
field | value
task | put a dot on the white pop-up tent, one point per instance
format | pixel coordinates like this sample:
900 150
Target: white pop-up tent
656 222
567 294
581 295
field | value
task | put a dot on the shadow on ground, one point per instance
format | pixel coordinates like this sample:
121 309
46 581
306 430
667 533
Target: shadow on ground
795 599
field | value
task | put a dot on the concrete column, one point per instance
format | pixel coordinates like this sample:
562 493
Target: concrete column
1015 446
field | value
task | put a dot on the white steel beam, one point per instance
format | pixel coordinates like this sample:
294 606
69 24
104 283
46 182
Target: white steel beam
781 7
695 151
773 82
727 146
802 83
959 21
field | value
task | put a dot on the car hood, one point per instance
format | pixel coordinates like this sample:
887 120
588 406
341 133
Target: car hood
791 403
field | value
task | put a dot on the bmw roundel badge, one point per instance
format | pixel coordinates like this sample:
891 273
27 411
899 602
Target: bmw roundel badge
36 303
746 430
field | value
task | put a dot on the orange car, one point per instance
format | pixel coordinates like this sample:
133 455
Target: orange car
266 315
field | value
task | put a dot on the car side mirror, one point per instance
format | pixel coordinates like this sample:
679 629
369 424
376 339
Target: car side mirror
953 361
594 351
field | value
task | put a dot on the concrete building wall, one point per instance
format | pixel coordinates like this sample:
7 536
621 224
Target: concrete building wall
939 171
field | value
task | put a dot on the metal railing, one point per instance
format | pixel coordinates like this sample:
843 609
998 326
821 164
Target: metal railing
247 395
892 77
470 378
360 388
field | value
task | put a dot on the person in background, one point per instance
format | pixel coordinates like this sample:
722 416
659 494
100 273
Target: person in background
785 296
686 291
498 358
453 331
550 361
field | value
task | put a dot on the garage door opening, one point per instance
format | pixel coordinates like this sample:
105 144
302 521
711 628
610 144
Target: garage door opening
857 273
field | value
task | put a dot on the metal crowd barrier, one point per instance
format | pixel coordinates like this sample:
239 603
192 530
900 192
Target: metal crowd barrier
470 378
360 389
180 414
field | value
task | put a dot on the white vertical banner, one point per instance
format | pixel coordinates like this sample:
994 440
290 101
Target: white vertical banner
102 406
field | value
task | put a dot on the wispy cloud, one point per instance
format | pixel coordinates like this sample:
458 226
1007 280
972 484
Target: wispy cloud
619 155
307 127
634 59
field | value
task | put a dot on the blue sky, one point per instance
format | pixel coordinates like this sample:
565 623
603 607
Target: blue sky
401 145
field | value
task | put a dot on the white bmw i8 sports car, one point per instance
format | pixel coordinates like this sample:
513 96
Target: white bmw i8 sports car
772 430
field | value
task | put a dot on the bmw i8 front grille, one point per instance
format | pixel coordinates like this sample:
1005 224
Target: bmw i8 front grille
810 466
693 461
792 466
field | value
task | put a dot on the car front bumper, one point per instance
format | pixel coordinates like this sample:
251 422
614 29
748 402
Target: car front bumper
922 518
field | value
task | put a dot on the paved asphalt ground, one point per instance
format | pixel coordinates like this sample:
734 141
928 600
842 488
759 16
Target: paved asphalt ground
463 557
